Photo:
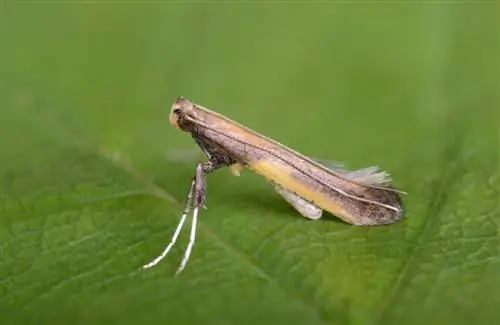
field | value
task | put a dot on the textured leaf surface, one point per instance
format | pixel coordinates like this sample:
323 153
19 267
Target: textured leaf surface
88 194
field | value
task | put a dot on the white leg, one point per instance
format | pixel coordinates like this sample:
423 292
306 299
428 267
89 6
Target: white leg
305 208
185 212
192 238
198 189
170 245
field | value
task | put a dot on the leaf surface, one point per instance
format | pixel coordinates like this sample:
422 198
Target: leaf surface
88 193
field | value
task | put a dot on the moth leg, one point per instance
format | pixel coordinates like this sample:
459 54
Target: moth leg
200 194
187 207
304 207
236 169
197 190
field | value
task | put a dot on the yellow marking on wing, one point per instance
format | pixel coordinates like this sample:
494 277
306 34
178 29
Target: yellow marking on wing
281 174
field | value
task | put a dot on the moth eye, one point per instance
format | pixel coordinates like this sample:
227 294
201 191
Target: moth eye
177 110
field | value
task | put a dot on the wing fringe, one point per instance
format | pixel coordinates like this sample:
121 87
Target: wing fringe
369 176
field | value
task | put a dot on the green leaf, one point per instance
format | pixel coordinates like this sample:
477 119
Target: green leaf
88 193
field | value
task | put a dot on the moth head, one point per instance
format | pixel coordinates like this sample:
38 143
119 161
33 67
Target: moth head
181 109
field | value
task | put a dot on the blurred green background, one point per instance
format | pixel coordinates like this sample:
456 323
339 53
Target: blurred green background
88 192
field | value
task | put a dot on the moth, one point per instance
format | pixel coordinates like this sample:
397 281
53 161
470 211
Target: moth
364 197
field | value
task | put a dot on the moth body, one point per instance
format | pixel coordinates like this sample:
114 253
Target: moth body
360 197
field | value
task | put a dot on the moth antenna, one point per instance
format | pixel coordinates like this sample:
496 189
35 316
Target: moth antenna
183 155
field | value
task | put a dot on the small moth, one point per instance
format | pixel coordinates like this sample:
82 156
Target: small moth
363 197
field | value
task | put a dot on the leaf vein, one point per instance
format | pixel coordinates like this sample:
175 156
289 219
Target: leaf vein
118 160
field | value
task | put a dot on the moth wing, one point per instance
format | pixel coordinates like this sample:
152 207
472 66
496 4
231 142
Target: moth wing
369 176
